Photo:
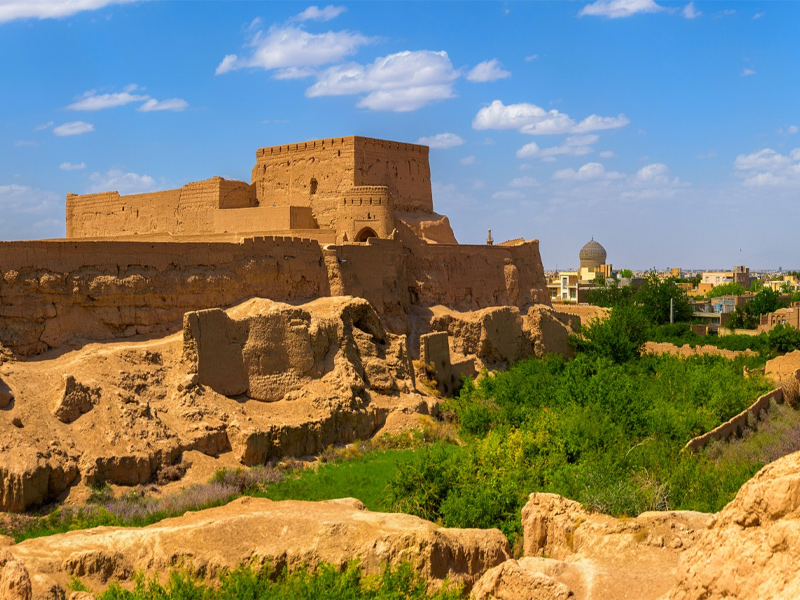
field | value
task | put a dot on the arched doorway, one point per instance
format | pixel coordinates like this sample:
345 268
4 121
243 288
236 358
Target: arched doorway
365 234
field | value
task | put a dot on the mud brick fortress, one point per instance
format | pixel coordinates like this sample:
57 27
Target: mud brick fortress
344 216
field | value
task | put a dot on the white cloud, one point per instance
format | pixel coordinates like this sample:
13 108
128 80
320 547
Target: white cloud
531 57
766 159
606 154
594 183
576 145
596 123
441 141
615 9
791 130
589 171
653 172
286 47
508 195
746 72
768 168
68 166
488 70
313 13
534 120
44 126
758 15
91 100
49 9
399 82
30 213
690 12
119 181
228 64
73 128
523 182
22 143
173 104
468 160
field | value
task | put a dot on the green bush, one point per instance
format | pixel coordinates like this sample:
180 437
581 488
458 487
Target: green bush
606 434
784 338
619 337
327 581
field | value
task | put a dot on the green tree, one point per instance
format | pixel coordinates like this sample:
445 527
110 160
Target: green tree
765 301
626 273
784 338
620 337
726 289
612 294
654 298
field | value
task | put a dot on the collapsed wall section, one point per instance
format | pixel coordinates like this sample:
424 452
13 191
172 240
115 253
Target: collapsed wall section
51 292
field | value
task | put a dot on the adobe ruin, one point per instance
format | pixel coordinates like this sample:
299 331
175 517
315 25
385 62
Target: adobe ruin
342 216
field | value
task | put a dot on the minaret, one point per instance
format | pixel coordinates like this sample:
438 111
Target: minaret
489 240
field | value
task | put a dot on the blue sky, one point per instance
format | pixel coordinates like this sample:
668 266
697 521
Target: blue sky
666 131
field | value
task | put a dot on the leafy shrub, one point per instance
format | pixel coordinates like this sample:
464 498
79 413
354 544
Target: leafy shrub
619 337
327 581
784 338
606 434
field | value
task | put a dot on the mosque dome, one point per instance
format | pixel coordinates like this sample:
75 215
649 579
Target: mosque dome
592 255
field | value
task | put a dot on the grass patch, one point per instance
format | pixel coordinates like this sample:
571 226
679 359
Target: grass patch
776 435
364 477
328 582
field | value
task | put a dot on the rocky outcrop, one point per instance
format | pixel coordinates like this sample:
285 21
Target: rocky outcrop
288 533
570 551
29 477
752 548
76 400
511 581
15 583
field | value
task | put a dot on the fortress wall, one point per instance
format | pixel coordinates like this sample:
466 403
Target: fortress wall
282 174
107 214
374 271
186 210
257 219
51 291
474 277
403 168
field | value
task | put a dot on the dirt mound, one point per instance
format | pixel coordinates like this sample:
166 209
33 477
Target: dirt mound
260 381
250 530
753 547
